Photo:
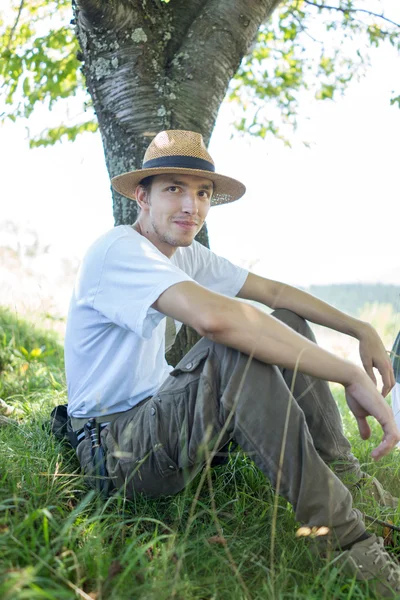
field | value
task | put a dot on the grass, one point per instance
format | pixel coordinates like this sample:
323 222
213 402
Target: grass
60 541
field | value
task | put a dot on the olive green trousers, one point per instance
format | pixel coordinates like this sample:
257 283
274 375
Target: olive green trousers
288 424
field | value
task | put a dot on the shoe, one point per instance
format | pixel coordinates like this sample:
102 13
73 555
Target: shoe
369 488
369 561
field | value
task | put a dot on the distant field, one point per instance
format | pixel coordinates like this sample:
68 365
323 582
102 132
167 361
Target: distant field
352 297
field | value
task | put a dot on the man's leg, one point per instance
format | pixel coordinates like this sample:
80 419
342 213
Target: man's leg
325 425
216 394
321 411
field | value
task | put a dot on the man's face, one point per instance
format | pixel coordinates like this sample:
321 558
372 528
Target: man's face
176 208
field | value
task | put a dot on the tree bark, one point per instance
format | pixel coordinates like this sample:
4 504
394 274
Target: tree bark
151 66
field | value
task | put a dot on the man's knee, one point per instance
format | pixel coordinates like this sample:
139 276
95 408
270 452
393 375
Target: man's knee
294 321
289 317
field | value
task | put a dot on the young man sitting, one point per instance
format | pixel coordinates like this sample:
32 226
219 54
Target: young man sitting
255 378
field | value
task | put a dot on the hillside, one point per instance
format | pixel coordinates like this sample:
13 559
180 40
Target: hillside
352 297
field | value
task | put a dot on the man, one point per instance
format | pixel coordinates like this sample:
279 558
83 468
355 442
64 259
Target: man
158 425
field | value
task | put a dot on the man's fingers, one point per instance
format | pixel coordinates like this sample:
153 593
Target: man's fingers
370 372
391 437
386 372
368 366
386 446
364 400
363 428
386 389
388 380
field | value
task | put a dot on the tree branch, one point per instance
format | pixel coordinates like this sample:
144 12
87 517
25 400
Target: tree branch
14 27
304 29
210 54
352 10
183 13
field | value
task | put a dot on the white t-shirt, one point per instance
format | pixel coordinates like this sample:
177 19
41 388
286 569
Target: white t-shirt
115 341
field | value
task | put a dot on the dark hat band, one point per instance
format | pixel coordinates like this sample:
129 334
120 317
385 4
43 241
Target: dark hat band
180 162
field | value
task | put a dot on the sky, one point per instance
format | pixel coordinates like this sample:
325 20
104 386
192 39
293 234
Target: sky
327 214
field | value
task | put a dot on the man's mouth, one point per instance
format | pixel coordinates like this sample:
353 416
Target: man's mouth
185 224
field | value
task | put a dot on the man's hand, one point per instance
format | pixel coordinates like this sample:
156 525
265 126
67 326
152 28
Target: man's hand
364 400
373 354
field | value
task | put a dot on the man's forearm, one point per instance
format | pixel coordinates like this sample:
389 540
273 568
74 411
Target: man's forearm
279 295
252 331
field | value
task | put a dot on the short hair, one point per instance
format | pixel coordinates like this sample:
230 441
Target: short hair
146 183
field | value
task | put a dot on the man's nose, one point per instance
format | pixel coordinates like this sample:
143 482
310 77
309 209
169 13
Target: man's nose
190 205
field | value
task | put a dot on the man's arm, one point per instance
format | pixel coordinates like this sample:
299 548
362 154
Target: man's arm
250 330
279 295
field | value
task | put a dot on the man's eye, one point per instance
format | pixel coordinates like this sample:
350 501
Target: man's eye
172 188
204 194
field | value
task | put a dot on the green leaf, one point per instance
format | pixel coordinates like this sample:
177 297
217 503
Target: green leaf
53 135
395 100
326 92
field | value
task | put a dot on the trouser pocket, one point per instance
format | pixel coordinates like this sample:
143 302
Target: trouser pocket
192 363
136 458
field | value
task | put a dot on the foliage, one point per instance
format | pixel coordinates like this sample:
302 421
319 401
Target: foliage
39 65
30 359
59 541
307 45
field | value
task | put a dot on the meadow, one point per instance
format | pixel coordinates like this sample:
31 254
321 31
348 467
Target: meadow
227 536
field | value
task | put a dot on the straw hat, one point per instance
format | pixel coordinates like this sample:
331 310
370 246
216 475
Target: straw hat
184 152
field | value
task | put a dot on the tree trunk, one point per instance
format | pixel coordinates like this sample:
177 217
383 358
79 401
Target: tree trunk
152 66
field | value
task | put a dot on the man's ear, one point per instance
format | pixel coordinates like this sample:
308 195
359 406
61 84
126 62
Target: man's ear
142 198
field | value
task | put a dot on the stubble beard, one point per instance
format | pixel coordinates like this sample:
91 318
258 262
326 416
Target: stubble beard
168 238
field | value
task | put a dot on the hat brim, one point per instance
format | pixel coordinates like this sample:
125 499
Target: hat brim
225 190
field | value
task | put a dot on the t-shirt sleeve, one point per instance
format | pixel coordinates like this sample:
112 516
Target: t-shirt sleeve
134 274
217 273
